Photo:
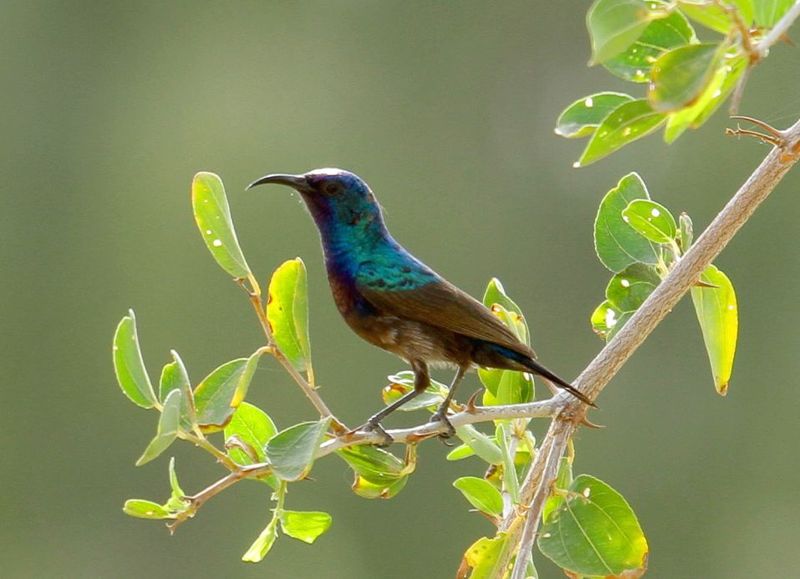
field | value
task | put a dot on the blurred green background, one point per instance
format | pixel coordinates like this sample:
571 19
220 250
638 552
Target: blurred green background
447 109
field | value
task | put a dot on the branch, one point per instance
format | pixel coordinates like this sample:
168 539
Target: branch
611 358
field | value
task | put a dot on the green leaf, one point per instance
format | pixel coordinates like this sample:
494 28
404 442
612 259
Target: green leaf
617 244
628 122
581 118
615 24
287 312
563 481
167 430
253 427
214 396
177 501
768 12
718 315
460 452
262 545
652 220
246 377
594 532
291 452
685 232
305 526
506 386
680 76
175 377
508 312
143 509
635 62
213 217
403 382
714 17
628 289
482 445
129 365
481 494
484 557
378 473
607 320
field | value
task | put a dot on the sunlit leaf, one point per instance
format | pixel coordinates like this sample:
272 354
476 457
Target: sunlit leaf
713 16
617 244
768 12
215 394
378 473
484 446
245 378
213 217
263 543
403 382
628 122
681 75
175 377
650 219
481 494
628 289
291 452
129 365
594 532
287 312
167 430
460 452
718 315
177 500
484 558
607 320
250 428
615 24
144 509
305 526
635 62
581 118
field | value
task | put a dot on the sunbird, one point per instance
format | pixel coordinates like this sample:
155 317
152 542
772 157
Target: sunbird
394 301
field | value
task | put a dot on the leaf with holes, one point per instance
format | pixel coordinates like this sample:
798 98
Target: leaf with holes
650 219
581 118
615 24
628 289
213 217
661 35
617 244
628 122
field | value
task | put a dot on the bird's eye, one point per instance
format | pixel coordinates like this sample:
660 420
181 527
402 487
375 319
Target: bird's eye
333 188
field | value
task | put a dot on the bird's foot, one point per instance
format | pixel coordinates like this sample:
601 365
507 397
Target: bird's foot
441 416
376 427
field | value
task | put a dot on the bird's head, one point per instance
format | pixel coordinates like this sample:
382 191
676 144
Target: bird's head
335 197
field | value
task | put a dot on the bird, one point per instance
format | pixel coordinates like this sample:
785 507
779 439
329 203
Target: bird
394 301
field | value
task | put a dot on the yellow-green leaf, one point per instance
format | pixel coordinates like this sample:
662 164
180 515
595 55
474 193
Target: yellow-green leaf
718 315
615 24
213 217
305 526
167 428
287 312
681 75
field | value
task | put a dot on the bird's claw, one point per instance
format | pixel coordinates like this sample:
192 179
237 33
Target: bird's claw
378 429
440 416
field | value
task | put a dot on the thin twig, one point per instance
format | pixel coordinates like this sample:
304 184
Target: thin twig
559 433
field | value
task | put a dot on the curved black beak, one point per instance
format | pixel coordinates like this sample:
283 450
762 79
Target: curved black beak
297 182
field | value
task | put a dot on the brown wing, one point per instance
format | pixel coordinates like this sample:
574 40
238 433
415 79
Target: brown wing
441 304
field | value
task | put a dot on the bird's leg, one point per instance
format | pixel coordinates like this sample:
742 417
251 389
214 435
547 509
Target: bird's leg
441 413
422 380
